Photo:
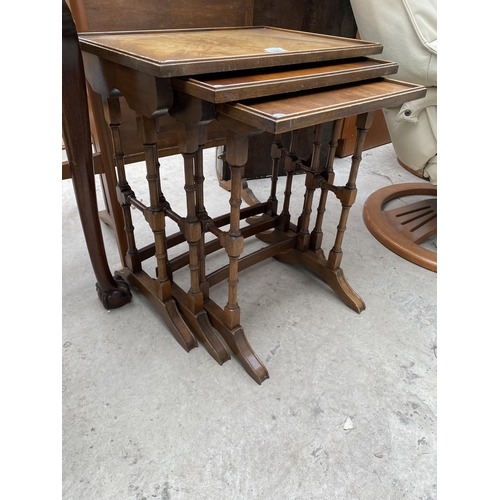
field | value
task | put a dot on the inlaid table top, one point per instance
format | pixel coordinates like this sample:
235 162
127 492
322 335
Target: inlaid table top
292 111
168 53
248 84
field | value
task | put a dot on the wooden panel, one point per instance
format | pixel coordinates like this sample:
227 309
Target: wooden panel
250 84
259 162
126 15
332 17
376 136
190 52
167 135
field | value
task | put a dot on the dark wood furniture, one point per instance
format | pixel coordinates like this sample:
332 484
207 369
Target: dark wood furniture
112 291
113 15
331 17
321 16
264 69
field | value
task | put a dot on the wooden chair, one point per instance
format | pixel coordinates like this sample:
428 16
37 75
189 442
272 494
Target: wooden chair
112 291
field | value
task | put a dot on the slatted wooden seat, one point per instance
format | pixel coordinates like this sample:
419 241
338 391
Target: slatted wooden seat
403 229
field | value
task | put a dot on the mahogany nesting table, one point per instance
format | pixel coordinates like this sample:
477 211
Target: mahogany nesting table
250 79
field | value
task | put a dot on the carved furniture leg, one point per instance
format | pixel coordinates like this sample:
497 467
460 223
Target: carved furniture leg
246 193
192 303
347 196
161 293
276 154
201 214
112 214
113 292
329 269
308 250
228 323
304 219
290 168
271 208
329 176
124 192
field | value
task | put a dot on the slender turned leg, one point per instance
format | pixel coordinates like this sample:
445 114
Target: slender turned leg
195 312
228 323
332 272
328 174
192 114
113 292
312 257
347 194
201 214
192 231
234 248
272 202
290 169
192 303
304 236
271 209
113 115
155 216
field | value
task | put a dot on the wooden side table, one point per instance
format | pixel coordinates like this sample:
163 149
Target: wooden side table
250 80
299 243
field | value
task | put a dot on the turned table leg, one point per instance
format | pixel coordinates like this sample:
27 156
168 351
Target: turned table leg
328 175
192 303
201 214
290 168
276 155
228 323
113 116
308 251
347 194
304 236
158 291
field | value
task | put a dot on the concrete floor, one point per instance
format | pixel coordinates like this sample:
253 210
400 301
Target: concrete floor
349 410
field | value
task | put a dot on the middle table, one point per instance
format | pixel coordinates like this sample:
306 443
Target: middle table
250 80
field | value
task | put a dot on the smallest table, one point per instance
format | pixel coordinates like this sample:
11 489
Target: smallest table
294 242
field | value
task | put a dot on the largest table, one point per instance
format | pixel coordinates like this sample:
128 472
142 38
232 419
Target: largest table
250 79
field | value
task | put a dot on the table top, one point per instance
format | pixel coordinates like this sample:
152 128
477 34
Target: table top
168 53
278 114
249 84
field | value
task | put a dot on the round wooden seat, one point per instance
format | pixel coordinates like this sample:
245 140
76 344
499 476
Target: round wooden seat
402 229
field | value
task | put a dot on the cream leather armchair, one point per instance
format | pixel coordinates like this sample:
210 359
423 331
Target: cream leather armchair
408 31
